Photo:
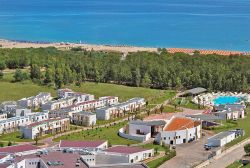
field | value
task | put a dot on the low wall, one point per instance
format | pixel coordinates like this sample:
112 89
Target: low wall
140 138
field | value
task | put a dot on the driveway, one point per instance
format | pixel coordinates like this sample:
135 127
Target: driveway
189 155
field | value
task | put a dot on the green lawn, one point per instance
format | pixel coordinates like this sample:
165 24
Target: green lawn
157 162
15 91
154 146
109 133
236 164
124 92
13 137
186 103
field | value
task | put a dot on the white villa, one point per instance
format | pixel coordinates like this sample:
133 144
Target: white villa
59 104
117 110
14 123
84 118
35 102
81 97
49 126
94 104
179 130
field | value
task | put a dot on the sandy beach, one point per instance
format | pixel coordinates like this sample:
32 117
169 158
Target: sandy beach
122 49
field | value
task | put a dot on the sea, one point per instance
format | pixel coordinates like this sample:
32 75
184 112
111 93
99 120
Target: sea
201 24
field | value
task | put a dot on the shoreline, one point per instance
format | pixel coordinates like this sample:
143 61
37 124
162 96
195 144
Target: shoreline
113 48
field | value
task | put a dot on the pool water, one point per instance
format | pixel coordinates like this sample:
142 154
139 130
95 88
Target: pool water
221 100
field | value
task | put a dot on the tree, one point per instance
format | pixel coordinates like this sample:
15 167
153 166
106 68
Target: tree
1 75
156 150
58 78
137 77
36 138
247 148
148 112
9 143
18 76
146 81
161 108
2 65
48 76
35 72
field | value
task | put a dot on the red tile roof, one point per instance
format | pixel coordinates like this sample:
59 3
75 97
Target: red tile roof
80 144
44 121
125 149
17 148
2 156
4 165
179 123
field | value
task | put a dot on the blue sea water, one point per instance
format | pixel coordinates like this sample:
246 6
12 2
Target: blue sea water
210 24
222 100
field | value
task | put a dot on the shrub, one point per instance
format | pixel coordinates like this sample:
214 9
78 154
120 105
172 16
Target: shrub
247 148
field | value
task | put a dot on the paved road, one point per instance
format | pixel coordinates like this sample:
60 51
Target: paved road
189 154
228 158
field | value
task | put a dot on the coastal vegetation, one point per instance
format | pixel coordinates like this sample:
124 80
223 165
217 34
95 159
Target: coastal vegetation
53 67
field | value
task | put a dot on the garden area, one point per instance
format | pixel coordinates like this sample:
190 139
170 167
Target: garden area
109 132
186 103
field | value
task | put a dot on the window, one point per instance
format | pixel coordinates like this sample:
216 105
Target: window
164 138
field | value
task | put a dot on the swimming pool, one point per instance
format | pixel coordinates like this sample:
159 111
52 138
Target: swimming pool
226 100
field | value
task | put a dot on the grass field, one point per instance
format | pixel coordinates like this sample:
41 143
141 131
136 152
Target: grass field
15 91
124 92
236 164
157 162
109 133
13 137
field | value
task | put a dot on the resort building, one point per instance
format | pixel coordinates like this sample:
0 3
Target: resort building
12 124
230 115
18 111
94 104
84 118
7 106
230 107
221 139
3 116
120 109
81 97
63 113
142 130
50 126
89 145
35 102
34 158
59 104
131 154
179 130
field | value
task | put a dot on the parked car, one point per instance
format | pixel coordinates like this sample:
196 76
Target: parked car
208 146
